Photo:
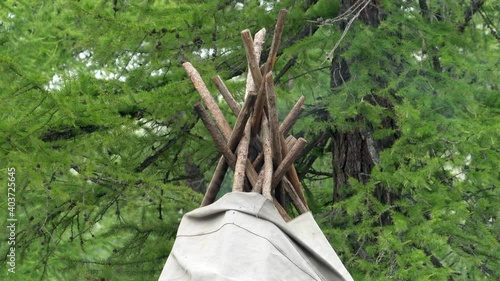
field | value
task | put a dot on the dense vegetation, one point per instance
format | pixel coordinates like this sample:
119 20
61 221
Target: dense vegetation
402 119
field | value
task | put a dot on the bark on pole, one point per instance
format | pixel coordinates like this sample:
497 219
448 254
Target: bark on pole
261 133
221 144
284 128
268 160
288 161
224 91
273 120
241 161
215 182
207 99
271 59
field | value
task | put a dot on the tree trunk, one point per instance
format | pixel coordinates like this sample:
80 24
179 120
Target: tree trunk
355 153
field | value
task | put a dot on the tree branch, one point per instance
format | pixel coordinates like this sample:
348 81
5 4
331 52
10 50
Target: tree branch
150 159
490 25
475 5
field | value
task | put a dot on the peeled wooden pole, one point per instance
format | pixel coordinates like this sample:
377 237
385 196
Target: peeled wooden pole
241 161
268 159
258 41
250 85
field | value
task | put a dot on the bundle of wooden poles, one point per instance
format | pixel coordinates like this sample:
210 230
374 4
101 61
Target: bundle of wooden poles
256 148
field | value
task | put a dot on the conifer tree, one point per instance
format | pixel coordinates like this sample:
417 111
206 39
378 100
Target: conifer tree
402 119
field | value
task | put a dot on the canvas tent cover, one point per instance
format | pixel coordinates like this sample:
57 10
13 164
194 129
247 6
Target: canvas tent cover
243 237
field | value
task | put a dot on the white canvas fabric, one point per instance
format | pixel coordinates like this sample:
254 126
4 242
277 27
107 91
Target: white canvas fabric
242 237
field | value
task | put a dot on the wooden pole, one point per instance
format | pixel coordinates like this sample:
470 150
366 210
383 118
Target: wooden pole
257 114
288 161
285 127
215 182
221 144
219 140
292 117
253 63
207 98
241 161
281 210
268 159
239 126
258 41
292 175
271 59
273 120
224 91
297 202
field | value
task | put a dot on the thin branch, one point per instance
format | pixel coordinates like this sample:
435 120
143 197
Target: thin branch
152 158
490 25
305 73
289 64
346 29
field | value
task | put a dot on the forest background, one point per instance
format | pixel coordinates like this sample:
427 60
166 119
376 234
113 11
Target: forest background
100 140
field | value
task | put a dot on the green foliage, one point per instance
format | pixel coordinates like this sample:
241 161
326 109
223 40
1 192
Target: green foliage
441 222
96 117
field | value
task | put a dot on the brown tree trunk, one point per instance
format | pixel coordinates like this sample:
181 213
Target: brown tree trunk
355 153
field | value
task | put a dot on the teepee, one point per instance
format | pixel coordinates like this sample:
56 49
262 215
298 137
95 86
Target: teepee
248 233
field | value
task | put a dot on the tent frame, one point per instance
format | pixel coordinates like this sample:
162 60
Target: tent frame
256 148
